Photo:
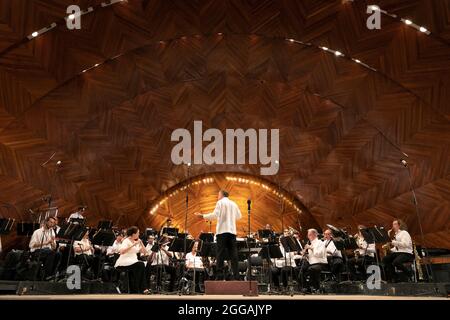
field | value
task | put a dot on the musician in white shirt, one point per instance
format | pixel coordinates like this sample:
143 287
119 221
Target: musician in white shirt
43 246
226 213
364 256
401 252
194 263
334 256
78 214
316 255
284 266
114 249
84 253
159 261
128 259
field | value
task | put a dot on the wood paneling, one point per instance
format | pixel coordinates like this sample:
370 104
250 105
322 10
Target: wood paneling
338 121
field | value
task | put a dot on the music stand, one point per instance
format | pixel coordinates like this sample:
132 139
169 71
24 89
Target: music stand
265 233
105 224
6 225
150 232
170 231
26 228
177 245
206 236
289 244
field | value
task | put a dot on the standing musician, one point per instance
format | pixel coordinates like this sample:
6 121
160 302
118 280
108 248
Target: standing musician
43 246
128 260
226 213
401 251
159 260
334 256
364 255
316 256
78 215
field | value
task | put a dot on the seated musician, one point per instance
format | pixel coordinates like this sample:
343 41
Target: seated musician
84 252
194 262
364 256
114 249
128 260
43 246
401 251
284 267
316 261
334 256
159 261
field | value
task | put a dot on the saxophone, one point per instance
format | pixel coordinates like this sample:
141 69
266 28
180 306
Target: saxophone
418 265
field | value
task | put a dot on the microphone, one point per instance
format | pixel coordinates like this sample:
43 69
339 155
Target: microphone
404 163
249 203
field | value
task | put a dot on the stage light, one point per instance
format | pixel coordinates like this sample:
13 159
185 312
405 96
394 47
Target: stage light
324 48
96 65
291 40
35 34
408 22
357 61
423 29
338 53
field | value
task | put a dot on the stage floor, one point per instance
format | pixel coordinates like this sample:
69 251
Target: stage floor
211 297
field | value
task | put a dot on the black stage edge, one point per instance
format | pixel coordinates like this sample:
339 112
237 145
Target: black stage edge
54 288
351 288
224 309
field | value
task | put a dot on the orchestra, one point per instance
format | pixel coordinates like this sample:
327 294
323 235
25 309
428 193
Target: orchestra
152 261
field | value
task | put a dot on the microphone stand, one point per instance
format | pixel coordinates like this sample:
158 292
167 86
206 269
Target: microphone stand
249 273
186 221
416 205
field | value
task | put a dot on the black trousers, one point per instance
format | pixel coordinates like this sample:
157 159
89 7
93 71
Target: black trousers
396 260
136 274
359 265
49 258
226 242
336 265
285 273
158 271
200 276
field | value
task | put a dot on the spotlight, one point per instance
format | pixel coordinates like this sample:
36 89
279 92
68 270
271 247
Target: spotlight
35 34
357 61
408 22
96 65
291 40
338 53
423 29
325 48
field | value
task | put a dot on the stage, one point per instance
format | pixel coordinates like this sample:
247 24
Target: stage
156 297
28 290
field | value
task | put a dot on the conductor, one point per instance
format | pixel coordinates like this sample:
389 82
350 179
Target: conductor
226 213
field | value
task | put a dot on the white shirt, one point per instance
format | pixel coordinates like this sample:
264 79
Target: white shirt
194 261
331 249
364 249
288 261
130 257
41 236
226 213
160 257
318 253
114 248
76 215
402 242
83 244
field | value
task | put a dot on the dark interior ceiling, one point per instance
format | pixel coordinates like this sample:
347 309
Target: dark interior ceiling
164 64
